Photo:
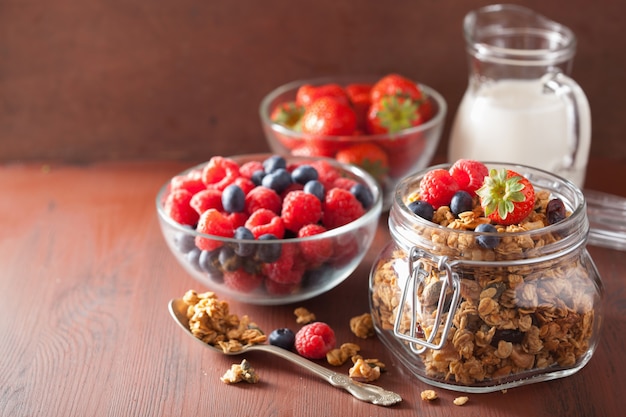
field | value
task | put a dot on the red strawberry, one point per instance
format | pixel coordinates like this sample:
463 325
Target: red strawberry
307 93
288 114
328 116
395 84
359 95
393 113
368 156
506 196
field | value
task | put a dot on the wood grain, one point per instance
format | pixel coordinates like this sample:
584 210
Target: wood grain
84 328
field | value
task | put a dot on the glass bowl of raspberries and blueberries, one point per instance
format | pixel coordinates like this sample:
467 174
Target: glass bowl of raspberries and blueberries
266 229
390 126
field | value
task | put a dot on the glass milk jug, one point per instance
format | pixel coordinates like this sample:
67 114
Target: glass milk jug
520 105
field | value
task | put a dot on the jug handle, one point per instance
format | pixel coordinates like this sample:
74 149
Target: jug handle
578 112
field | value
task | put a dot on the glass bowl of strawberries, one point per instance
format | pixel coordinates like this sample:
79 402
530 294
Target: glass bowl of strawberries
266 229
389 126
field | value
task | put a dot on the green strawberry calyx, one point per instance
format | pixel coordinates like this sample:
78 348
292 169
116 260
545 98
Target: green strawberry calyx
499 193
398 112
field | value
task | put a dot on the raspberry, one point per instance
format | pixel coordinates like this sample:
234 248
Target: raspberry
212 222
207 199
220 172
264 221
315 340
287 269
248 169
437 187
300 209
275 288
340 207
345 250
237 219
344 183
292 187
242 281
245 184
315 251
469 174
191 182
327 174
177 207
263 197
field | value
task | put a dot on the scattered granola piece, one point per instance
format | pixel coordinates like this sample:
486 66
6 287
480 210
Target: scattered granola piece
363 370
460 400
340 355
304 316
429 395
362 326
240 372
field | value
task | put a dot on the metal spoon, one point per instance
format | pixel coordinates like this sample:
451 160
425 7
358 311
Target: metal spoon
361 391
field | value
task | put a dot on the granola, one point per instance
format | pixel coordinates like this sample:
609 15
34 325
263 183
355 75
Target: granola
362 326
512 318
365 369
240 372
304 316
210 321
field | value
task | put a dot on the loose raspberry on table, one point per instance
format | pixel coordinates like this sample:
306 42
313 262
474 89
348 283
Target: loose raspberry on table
177 206
437 187
469 174
315 340
315 252
242 281
299 209
263 222
340 207
207 199
213 222
220 172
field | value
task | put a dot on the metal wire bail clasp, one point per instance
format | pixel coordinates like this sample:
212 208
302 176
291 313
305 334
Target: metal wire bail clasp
420 336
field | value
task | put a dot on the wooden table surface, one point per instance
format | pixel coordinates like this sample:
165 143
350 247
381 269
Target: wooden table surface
84 327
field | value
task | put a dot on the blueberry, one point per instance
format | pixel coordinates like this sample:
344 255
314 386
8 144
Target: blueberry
268 252
284 338
233 199
422 209
363 194
273 163
487 242
257 177
304 174
316 188
555 211
192 257
209 261
244 249
228 259
462 201
185 242
277 180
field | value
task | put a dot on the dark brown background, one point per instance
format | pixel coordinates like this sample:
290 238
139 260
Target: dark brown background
85 80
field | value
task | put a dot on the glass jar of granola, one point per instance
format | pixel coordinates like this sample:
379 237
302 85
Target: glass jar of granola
471 317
